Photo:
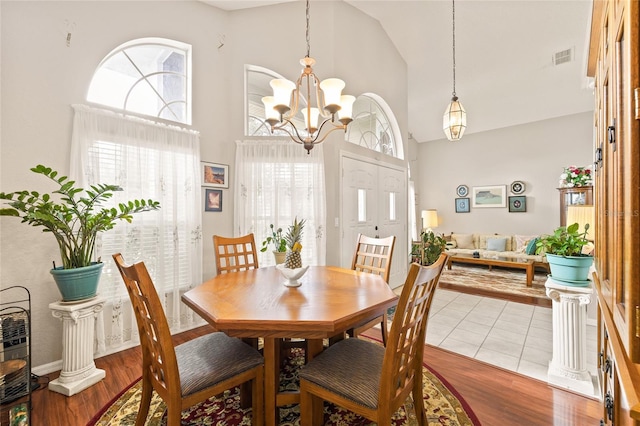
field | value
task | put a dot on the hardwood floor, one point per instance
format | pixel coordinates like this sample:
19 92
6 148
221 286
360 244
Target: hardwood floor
498 397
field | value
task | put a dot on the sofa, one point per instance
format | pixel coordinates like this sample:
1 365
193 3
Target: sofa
495 246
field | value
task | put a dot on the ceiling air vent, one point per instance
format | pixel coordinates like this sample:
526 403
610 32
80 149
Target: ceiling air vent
563 57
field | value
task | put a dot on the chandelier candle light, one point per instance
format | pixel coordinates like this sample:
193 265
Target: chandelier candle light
329 100
454 121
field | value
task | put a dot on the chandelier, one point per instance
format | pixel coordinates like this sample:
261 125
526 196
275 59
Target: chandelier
454 121
284 105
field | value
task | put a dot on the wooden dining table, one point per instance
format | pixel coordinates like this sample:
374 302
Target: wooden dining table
257 304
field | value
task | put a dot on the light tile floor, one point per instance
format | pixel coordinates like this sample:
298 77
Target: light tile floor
511 335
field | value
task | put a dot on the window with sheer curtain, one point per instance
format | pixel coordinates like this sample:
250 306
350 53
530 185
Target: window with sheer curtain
151 161
277 181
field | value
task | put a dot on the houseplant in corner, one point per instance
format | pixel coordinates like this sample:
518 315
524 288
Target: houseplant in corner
74 216
279 244
563 250
428 249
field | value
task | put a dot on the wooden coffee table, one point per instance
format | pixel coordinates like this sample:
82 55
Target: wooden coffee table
491 261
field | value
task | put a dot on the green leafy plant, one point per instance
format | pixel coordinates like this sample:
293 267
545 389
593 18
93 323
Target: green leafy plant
428 249
277 239
73 215
565 241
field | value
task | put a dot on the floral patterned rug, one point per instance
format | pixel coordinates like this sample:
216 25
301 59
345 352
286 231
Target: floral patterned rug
500 283
442 403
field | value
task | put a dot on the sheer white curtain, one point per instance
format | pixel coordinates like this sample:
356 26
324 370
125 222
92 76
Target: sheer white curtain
277 181
151 161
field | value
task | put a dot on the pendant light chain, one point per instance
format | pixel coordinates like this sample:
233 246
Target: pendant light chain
308 38
454 48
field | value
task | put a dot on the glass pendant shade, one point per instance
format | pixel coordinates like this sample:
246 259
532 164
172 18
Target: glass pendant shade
346 107
269 111
332 89
454 121
282 89
311 118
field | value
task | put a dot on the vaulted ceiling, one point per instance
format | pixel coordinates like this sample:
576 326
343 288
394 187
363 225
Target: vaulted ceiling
505 49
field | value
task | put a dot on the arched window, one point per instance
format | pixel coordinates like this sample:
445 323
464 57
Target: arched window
256 87
374 126
147 76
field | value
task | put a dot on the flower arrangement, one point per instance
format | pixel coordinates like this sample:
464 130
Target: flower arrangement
576 176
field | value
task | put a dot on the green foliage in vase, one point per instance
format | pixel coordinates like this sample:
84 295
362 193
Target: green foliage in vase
73 215
565 241
276 238
428 249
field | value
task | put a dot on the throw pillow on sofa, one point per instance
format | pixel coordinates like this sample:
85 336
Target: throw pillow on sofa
496 244
522 241
464 241
531 247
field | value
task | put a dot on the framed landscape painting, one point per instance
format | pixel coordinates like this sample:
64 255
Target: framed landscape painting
489 196
215 175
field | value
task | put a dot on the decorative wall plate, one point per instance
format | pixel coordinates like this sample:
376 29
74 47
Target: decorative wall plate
517 187
462 190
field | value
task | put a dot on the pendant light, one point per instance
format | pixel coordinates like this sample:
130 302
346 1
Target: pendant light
454 121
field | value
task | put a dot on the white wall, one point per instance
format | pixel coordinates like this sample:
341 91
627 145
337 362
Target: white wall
42 76
535 153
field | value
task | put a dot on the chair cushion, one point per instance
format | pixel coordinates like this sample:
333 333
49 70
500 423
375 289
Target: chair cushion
210 359
351 368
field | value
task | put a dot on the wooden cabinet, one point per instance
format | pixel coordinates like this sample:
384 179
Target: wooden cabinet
615 65
579 195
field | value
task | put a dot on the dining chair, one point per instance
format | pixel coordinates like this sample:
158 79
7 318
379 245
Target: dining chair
194 371
367 378
373 255
235 254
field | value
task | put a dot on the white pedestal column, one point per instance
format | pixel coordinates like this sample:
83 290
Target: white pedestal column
78 368
568 367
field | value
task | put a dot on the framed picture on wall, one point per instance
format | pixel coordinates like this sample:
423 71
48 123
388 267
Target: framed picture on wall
213 200
489 196
518 204
462 205
215 175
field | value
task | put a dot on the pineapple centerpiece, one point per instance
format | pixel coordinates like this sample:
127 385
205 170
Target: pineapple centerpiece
293 260
292 268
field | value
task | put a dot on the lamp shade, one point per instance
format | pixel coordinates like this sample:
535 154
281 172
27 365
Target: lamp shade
332 89
582 214
282 89
429 219
346 104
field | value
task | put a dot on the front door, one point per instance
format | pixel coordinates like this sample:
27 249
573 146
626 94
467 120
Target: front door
374 203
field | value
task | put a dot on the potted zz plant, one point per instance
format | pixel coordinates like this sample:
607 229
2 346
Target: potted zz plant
279 244
74 217
563 250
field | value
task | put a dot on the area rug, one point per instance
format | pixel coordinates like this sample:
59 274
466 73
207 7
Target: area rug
444 406
509 284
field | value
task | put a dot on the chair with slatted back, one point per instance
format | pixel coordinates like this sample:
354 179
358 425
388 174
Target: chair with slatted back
194 371
367 378
373 255
235 253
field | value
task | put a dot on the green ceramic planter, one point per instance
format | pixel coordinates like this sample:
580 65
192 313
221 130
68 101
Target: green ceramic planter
570 269
78 283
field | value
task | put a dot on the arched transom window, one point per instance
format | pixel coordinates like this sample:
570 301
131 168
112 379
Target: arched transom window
374 126
148 76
